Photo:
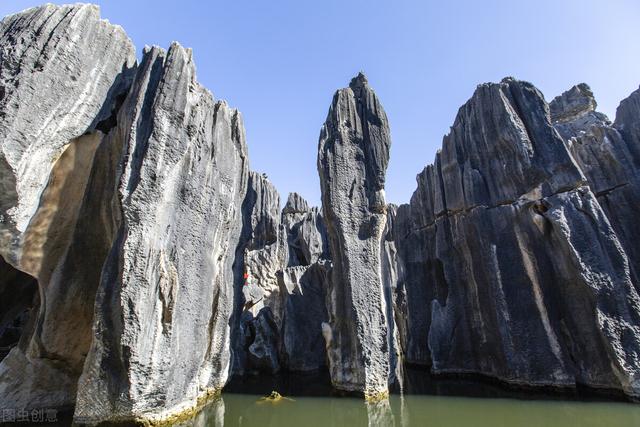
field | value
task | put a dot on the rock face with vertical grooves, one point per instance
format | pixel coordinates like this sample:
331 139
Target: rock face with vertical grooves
608 159
304 280
526 279
63 72
305 230
628 124
263 255
258 305
59 72
280 300
392 271
167 283
353 155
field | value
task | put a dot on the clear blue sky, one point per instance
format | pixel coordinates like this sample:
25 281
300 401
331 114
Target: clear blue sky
279 62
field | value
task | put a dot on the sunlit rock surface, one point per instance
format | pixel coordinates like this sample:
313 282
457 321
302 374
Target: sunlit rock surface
166 290
258 305
524 276
59 76
608 156
63 73
305 279
353 154
280 298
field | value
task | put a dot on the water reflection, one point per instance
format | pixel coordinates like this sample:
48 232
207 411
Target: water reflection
245 410
428 402
211 415
379 414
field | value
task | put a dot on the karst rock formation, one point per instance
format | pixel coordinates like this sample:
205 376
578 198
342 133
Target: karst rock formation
143 263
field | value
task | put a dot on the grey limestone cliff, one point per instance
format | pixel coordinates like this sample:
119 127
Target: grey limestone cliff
607 155
305 280
122 197
63 71
280 299
258 301
353 154
521 274
166 289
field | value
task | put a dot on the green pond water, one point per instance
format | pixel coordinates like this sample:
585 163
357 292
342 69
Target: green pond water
414 410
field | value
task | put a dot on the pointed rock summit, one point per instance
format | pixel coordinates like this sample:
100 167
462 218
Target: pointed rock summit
359 82
353 154
578 100
574 111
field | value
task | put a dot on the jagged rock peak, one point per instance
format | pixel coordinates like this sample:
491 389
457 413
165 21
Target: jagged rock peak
573 103
359 81
295 204
184 177
627 113
358 119
264 201
482 165
504 217
151 160
574 112
353 153
609 157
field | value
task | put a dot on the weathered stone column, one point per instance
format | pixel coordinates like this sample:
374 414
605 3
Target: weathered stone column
353 154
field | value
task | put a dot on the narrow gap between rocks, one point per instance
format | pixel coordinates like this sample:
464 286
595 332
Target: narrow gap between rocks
18 299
